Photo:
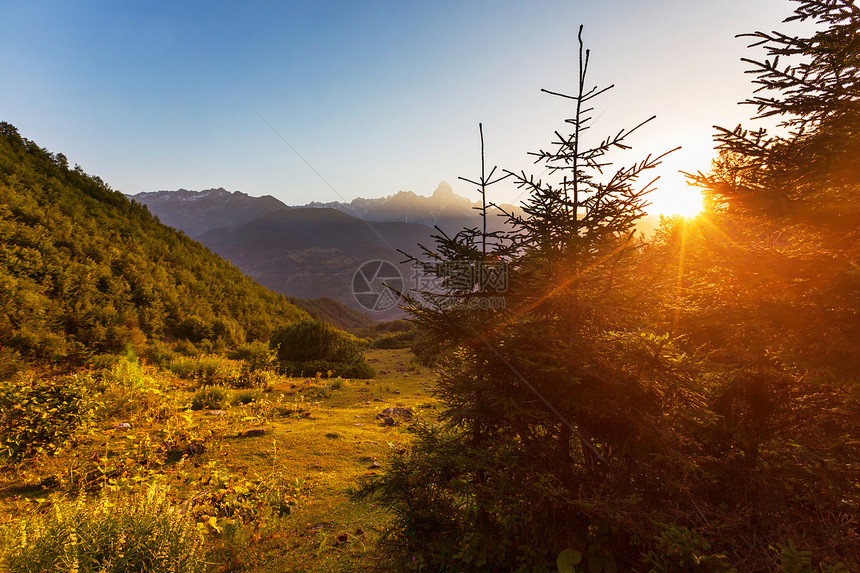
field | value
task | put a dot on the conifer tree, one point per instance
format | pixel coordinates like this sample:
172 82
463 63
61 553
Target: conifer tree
554 395
811 83
772 289
789 203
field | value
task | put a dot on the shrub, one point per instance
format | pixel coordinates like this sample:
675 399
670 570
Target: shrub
10 363
187 348
678 549
397 339
210 398
208 369
309 340
159 353
257 355
145 534
126 372
250 378
426 350
228 501
132 390
242 398
310 346
361 369
43 415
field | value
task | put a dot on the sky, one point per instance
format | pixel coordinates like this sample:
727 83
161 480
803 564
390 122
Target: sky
332 100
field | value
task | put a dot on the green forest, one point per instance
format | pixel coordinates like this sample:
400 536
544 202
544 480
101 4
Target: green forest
84 270
578 397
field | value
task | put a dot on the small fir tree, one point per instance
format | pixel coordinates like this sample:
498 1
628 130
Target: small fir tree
554 395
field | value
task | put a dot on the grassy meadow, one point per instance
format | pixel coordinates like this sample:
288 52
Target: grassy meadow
264 473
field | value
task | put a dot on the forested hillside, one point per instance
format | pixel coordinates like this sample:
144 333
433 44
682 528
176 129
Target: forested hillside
84 270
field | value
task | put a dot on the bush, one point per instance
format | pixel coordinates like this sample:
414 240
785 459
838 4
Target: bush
227 501
310 346
210 398
242 398
126 372
678 549
159 353
309 340
427 351
361 369
257 379
187 348
145 535
257 355
397 340
42 416
134 391
10 363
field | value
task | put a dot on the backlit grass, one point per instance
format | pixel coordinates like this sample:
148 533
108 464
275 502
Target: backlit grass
268 480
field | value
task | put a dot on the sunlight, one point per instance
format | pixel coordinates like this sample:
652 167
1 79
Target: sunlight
684 201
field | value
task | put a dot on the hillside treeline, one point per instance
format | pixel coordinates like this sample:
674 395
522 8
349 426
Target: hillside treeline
83 270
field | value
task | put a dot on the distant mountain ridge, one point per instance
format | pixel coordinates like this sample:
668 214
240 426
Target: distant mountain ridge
314 251
196 212
444 208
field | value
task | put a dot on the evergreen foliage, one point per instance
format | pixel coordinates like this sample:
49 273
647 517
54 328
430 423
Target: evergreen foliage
674 405
562 387
811 84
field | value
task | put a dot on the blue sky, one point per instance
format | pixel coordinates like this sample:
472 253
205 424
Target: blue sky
376 96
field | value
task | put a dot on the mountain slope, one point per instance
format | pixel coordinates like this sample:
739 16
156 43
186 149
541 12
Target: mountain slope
196 212
330 311
314 252
84 270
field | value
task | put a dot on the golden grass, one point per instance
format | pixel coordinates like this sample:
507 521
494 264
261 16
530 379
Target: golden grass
323 434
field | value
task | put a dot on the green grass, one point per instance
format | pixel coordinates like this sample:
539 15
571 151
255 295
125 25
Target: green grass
311 441
143 535
308 539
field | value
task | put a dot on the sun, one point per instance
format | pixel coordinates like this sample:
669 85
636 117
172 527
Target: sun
684 201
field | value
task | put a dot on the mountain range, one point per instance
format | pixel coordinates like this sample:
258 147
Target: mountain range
314 251
444 208
195 212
